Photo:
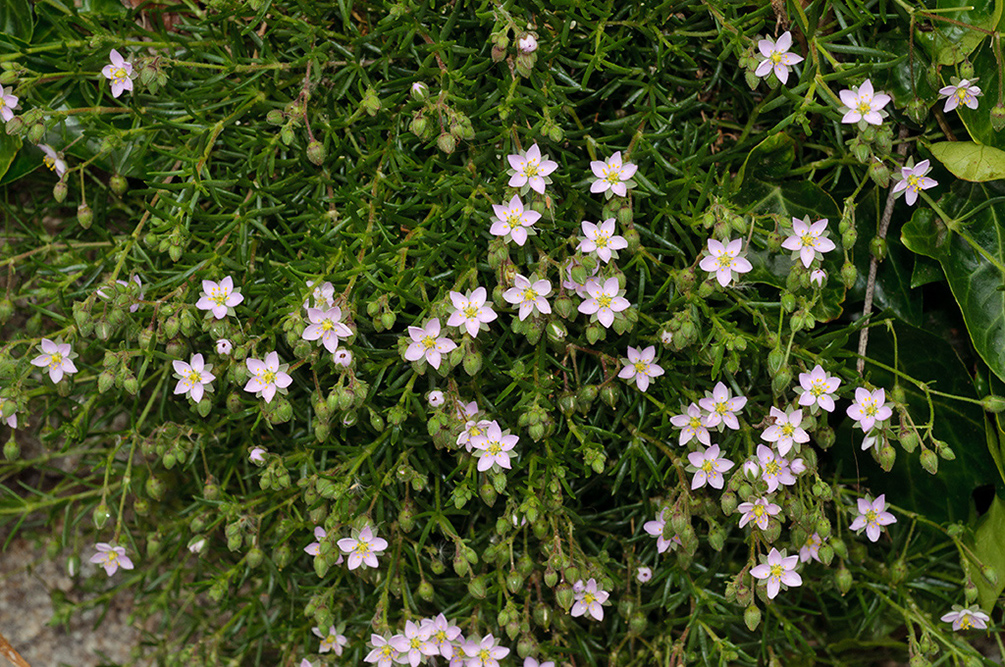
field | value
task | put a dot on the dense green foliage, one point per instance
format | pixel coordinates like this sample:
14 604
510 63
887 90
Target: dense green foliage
284 144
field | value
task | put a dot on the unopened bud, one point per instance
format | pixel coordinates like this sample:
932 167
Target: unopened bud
316 152
59 192
118 184
446 143
878 248
420 91
849 273
929 461
752 617
843 579
36 132
997 118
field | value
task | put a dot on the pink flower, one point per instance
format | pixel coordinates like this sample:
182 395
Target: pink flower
529 168
257 455
817 277
604 301
774 469
442 634
8 412
817 388
332 641
527 44
327 326
111 558
656 529
570 284
470 312
720 407
219 298
383 654
863 103
758 511
8 103
119 72
724 260
779 570
427 343
363 548
692 425
601 240
494 445
530 294
342 358
268 377
640 366
963 92
872 516
777 58
869 409
223 346
473 430
486 653
786 431
53 160
965 618
414 644
811 549
708 467
613 175
58 357
512 221
809 240
589 600
435 398
913 180
323 295
314 548
192 377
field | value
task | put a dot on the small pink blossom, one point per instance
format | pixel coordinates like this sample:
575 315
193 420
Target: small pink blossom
809 240
869 408
643 574
219 298
436 398
473 430
657 527
326 326
58 357
383 654
192 377
774 469
53 160
111 558
442 634
811 549
708 467
570 284
139 289
758 511
342 357
872 516
530 295
494 445
601 240
913 180
268 377
530 168
613 175
964 93
527 44
512 221
787 430
223 346
257 455
8 103
323 295
817 277
864 104
604 301
362 548
967 618
470 311
777 58
778 570
724 260
414 644
589 599
119 72
640 366
332 641
720 407
692 425
486 653
817 388
314 548
428 344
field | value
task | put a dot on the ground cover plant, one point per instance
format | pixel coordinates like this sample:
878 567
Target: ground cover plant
480 333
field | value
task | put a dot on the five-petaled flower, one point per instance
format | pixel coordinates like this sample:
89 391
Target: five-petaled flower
530 168
53 160
613 175
708 467
721 407
486 653
964 92
8 103
362 548
192 377
119 71
640 366
219 298
383 654
435 398
656 528
223 346
58 357
601 240
723 260
966 618
332 641
326 326
342 358
817 388
111 558
913 180
530 294
786 431
643 574
864 104
513 221
428 344
869 408
811 549
774 469
494 446
414 644
470 311
809 240
872 516
758 511
314 548
779 570
777 58
589 599
605 300
442 634
692 425
268 376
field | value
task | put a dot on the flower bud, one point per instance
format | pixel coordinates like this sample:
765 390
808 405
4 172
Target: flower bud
446 143
848 273
316 152
100 516
11 450
625 217
488 494
880 174
255 557
997 118
286 135
155 487
564 595
843 579
993 403
929 461
371 103
886 456
36 132
878 248
118 184
275 117
476 588
752 617
419 91
59 191
514 581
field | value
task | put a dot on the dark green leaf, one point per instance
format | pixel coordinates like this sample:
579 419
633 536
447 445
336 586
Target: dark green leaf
16 19
9 147
990 549
951 43
970 161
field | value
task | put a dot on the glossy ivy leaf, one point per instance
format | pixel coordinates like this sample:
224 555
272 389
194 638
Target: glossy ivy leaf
16 20
975 282
794 200
970 161
978 121
926 270
9 147
989 547
927 358
770 159
951 43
